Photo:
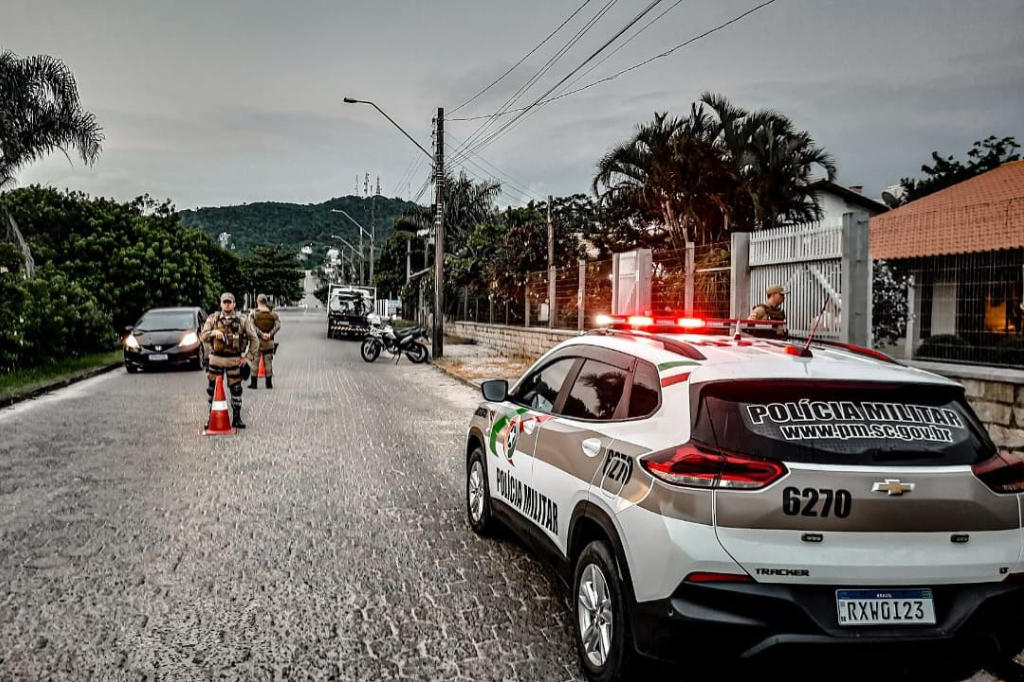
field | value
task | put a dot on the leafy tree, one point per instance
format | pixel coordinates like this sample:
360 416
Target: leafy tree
272 270
130 256
944 172
40 112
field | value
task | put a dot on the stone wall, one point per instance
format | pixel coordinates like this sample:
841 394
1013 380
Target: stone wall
996 394
513 342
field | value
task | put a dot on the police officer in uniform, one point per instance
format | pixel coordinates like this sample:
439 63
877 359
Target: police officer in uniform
771 309
234 345
266 324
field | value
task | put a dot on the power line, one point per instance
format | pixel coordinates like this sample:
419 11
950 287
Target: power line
627 70
509 179
547 66
632 22
528 55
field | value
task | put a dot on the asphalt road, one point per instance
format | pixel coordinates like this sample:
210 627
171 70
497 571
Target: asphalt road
326 542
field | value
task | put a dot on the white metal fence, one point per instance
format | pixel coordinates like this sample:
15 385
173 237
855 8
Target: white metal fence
806 260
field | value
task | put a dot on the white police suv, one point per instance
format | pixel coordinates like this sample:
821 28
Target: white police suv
736 494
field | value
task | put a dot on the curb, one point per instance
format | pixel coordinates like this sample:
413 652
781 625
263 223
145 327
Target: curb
49 388
453 375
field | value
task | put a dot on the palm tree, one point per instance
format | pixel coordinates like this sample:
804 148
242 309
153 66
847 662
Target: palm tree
774 162
40 112
670 169
637 173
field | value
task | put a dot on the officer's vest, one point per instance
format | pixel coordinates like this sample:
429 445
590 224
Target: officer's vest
231 345
773 313
264 320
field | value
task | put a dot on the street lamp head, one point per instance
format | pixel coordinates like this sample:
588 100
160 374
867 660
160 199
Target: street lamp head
349 100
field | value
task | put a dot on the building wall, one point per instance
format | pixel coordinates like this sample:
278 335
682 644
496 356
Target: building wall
996 395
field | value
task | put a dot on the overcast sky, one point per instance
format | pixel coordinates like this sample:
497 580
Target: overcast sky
216 102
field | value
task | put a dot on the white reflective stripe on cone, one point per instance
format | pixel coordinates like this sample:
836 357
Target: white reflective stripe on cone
220 405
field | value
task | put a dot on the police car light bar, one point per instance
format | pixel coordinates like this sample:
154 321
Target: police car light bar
682 324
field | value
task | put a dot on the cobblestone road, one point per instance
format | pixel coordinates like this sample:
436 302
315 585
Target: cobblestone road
326 542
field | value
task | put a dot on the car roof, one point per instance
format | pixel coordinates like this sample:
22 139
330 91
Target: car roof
753 358
172 310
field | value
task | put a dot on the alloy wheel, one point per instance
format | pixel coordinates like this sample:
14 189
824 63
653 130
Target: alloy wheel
595 615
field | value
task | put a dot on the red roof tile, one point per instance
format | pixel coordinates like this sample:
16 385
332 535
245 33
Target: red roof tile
985 213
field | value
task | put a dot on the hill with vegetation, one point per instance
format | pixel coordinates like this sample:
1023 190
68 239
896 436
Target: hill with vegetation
271 223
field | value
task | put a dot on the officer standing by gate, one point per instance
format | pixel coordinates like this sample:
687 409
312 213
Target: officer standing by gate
234 344
771 309
267 324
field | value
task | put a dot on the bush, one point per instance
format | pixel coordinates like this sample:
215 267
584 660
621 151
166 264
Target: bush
1010 352
61 319
945 347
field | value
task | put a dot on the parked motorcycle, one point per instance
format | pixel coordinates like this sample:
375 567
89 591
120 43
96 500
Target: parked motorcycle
382 336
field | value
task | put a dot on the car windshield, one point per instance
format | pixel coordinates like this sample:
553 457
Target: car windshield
166 320
827 422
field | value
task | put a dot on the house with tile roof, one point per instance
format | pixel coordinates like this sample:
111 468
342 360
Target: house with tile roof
963 247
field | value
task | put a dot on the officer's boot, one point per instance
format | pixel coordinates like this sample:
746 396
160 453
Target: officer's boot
252 382
270 382
236 421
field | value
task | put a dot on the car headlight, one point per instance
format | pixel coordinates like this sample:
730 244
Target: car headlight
190 339
131 342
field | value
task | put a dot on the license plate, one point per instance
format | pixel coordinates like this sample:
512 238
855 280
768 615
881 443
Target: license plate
158 356
342 323
885 607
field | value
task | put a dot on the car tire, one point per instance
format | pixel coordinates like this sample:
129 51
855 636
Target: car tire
478 494
600 618
131 369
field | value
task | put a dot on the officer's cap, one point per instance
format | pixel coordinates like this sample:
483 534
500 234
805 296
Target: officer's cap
262 298
776 289
227 297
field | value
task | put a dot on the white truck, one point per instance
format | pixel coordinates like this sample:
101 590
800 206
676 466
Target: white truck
347 310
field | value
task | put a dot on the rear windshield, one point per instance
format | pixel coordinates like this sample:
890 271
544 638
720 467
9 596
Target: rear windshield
842 423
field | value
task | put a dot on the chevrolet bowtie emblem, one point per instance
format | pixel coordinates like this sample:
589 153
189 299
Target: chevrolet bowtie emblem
892 486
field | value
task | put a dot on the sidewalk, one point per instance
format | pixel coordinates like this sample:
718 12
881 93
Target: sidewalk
471 364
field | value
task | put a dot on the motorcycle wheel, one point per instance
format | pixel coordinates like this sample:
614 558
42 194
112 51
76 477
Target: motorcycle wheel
370 350
418 353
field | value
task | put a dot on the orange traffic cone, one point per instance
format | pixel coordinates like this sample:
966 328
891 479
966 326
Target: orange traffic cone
263 372
220 422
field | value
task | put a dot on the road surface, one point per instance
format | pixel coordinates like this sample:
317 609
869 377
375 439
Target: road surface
327 541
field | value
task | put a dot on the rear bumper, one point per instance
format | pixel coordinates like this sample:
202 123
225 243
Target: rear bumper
750 621
176 357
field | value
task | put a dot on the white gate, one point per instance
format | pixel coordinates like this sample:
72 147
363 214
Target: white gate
631 282
806 260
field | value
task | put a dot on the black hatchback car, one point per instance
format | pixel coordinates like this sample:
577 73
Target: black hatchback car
165 337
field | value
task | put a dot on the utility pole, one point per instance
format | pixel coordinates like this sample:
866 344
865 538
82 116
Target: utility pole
552 273
439 239
373 228
408 260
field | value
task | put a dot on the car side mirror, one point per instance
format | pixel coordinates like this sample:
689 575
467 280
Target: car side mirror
494 390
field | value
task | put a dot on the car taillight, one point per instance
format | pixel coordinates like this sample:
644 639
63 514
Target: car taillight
1001 473
699 466
707 577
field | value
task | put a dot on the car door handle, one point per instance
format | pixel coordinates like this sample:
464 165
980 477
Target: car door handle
592 447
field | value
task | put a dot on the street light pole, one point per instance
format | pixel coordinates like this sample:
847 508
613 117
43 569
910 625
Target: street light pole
438 159
362 231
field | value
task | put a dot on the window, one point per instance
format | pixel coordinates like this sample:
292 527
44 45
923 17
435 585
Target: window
827 422
646 392
540 389
597 391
